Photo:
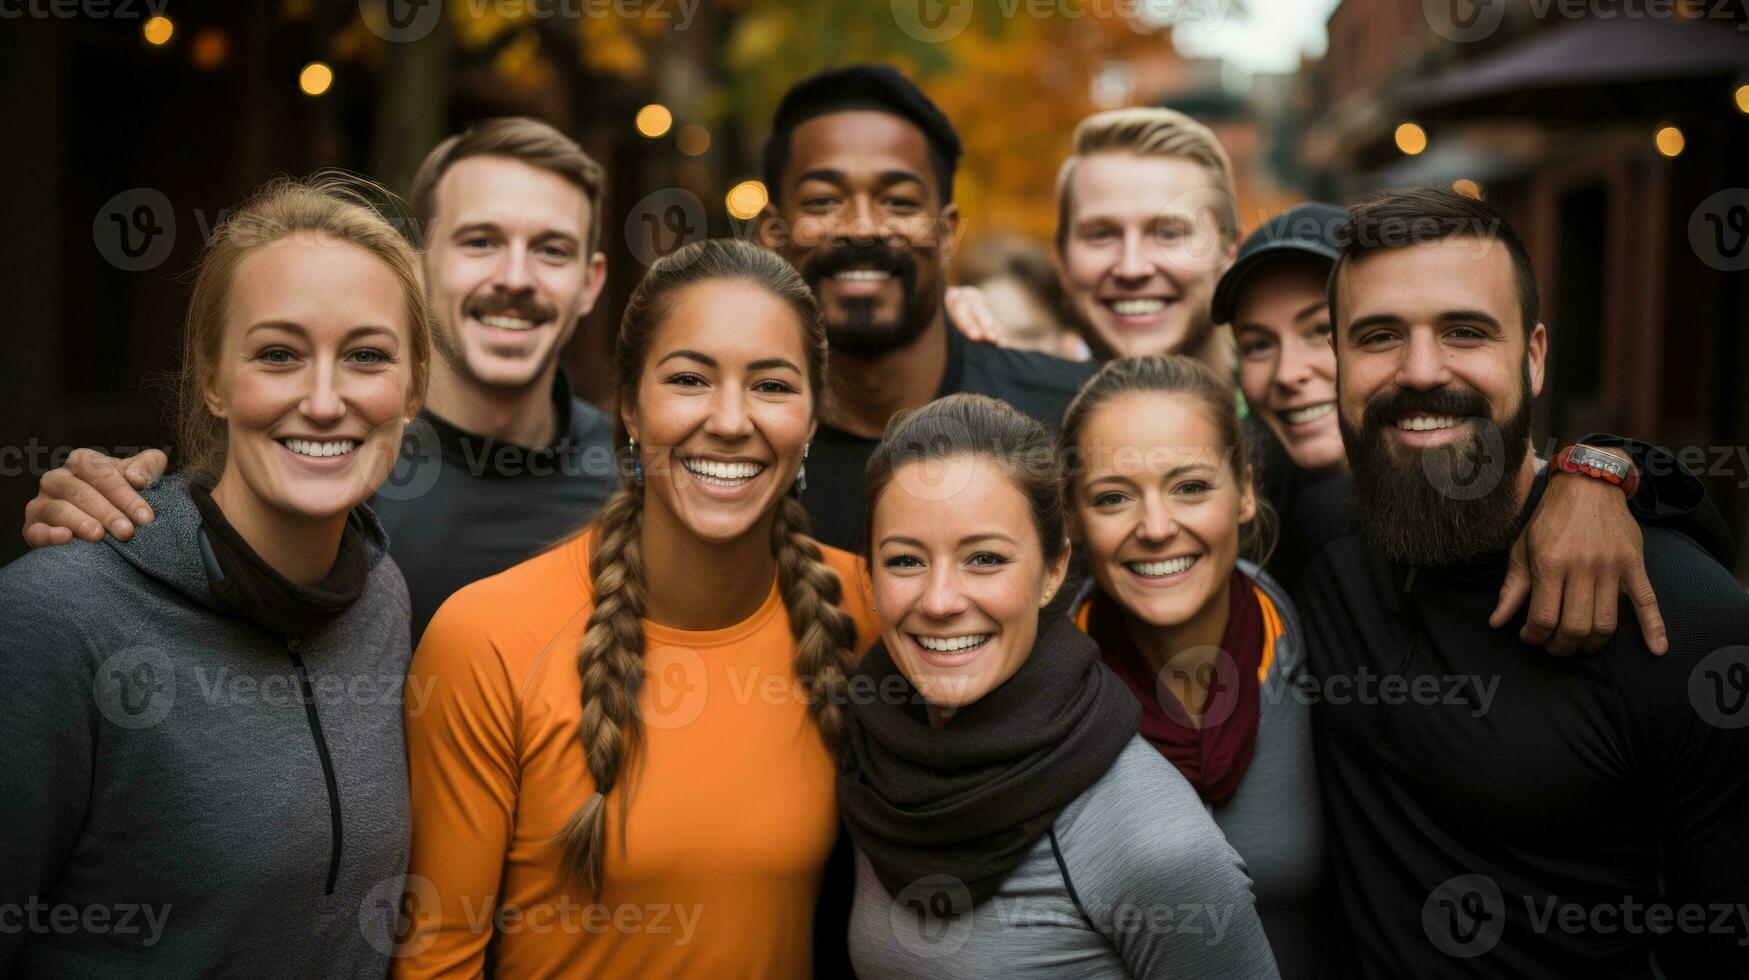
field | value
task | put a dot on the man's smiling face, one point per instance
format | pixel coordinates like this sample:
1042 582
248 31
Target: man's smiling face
507 269
861 218
1436 373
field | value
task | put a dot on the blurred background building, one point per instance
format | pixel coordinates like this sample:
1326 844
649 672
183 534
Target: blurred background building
1618 144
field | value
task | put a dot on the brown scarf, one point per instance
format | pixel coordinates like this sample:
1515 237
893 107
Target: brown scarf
1215 755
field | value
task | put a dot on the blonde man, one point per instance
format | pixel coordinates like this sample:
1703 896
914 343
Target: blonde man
1147 220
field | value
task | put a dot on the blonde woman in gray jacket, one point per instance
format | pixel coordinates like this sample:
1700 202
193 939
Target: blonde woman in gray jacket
202 726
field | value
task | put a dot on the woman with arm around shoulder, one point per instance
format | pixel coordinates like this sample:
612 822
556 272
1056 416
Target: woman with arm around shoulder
201 726
1009 821
624 766
1161 502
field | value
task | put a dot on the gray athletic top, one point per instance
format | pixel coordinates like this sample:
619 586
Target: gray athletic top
1275 820
1133 880
187 793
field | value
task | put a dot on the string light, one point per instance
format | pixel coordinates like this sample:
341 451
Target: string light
654 120
1670 141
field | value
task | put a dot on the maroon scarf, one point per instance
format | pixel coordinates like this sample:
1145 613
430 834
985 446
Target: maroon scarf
1214 756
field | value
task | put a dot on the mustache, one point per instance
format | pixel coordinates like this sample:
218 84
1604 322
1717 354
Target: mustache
872 255
1386 409
525 306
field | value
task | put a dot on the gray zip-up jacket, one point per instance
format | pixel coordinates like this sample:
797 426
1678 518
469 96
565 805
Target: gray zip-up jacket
187 793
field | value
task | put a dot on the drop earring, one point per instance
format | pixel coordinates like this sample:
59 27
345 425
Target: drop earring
802 471
637 463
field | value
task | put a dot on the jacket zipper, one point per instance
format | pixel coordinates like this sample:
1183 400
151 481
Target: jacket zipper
1413 622
292 645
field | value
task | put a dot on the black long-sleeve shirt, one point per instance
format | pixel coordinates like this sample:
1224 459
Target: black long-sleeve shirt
1502 812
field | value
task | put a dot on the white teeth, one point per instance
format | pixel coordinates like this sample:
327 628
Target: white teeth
1424 423
720 474
949 644
862 275
309 447
507 322
1155 569
1295 416
1136 307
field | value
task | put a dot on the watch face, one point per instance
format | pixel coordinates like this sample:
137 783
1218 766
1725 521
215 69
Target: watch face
1607 462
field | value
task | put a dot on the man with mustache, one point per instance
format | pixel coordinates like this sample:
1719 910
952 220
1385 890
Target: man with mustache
860 167
1500 812
502 460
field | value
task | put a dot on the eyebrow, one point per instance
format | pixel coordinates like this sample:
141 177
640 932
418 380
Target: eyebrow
1449 316
298 328
495 228
968 539
711 362
1311 308
1179 470
885 178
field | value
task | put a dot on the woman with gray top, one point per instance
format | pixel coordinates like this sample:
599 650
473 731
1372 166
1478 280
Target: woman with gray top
1162 504
1009 821
202 726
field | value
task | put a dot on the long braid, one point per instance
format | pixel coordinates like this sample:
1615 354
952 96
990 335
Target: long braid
610 659
825 634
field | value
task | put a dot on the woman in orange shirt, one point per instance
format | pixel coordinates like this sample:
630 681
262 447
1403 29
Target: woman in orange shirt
621 750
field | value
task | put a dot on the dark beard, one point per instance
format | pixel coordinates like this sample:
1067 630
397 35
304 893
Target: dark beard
1444 505
860 334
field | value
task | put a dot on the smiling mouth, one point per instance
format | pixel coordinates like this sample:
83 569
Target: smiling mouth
951 644
319 450
1310 413
503 322
717 473
1427 423
1147 306
1161 569
862 275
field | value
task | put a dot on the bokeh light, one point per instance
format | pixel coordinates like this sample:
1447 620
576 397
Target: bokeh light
654 120
315 78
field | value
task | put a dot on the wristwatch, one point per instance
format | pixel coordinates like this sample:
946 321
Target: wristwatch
1598 464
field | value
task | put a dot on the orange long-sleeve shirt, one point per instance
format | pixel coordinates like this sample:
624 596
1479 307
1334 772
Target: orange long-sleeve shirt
732 811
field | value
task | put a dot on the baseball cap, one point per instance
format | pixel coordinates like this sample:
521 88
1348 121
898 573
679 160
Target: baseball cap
1304 229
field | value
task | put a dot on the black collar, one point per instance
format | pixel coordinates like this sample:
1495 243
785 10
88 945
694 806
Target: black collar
951 382
490 455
